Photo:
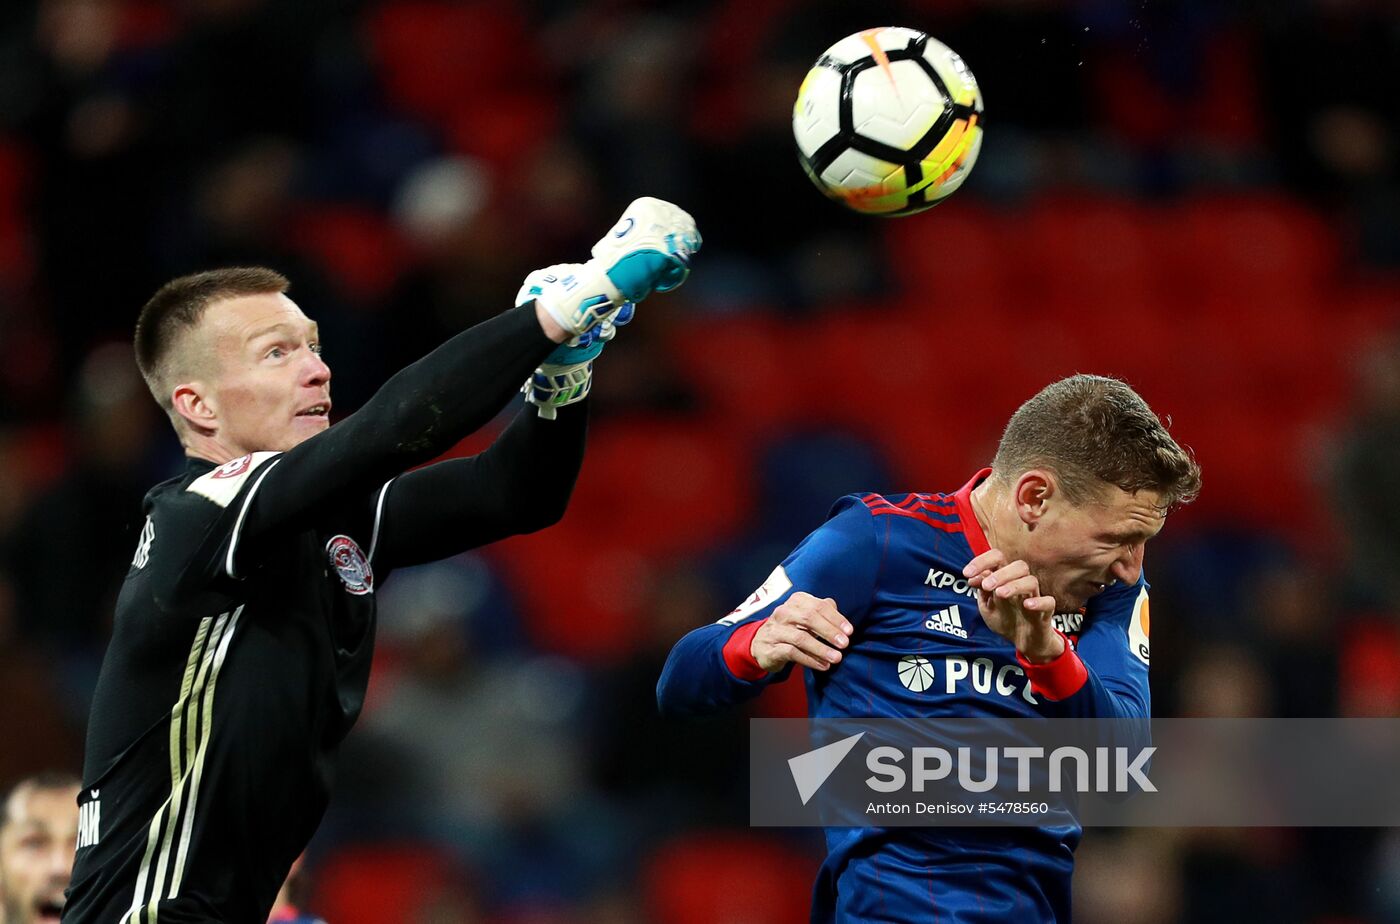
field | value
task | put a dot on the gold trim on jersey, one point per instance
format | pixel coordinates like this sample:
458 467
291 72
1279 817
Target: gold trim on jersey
187 753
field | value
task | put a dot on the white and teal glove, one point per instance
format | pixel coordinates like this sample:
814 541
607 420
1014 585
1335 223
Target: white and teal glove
566 375
648 250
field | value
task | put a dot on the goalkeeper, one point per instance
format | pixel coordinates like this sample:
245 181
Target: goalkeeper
243 634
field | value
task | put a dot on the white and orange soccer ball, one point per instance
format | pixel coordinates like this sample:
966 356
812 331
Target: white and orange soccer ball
888 121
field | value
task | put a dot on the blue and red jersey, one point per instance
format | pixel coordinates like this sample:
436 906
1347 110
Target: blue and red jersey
893 564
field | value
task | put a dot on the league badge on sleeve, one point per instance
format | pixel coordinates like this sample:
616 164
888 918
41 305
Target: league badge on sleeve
234 467
776 584
350 563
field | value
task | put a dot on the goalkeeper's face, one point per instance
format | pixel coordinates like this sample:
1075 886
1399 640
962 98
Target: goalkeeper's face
268 388
1078 550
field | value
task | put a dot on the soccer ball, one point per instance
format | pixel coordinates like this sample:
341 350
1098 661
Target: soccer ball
888 121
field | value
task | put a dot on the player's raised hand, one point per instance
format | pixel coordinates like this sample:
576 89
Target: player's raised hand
543 283
1011 604
804 630
578 296
649 249
566 375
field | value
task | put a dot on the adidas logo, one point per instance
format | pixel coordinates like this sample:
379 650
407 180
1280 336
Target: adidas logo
947 620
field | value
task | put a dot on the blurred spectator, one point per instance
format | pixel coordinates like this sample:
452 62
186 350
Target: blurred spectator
100 168
485 737
1368 478
1385 873
38 834
1225 682
66 586
671 775
472 252
636 89
1295 623
1127 877
33 724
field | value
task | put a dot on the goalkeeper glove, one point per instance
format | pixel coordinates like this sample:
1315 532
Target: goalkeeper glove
566 375
648 250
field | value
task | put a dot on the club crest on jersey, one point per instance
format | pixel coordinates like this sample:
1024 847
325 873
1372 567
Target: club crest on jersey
350 563
233 468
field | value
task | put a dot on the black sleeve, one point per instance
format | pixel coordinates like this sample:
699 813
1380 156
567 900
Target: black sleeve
520 484
421 412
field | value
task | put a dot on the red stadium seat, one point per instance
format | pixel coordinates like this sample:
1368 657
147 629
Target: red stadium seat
710 878
954 256
357 247
16 250
757 384
502 128
14 174
1254 247
1360 314
648 493
670 485
1370 669
146 23
908 382
433 54
583 591
380 883
1219 106
1099 251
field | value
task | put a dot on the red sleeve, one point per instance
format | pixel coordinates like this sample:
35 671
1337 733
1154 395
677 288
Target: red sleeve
738 652
1058 679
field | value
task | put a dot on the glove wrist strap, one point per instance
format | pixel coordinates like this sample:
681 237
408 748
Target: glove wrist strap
582 299
553 386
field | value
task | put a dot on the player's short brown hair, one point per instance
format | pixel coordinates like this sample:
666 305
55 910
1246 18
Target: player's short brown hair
177 307
1092 430
47 781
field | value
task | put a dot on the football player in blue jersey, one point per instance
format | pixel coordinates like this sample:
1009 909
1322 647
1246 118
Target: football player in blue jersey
1024 594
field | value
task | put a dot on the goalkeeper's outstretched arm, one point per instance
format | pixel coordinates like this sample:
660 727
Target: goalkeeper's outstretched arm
426 408
520 484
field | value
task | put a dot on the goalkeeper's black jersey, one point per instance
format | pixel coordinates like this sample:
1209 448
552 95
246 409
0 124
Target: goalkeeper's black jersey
216 722
243 634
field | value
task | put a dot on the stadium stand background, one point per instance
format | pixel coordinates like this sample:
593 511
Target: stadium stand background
1199 197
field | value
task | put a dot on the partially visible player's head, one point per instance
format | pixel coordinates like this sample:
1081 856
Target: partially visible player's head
234 362
1086 474
38 836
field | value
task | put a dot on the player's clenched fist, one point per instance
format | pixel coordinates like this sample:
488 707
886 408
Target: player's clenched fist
1011 604
804 630
649 249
